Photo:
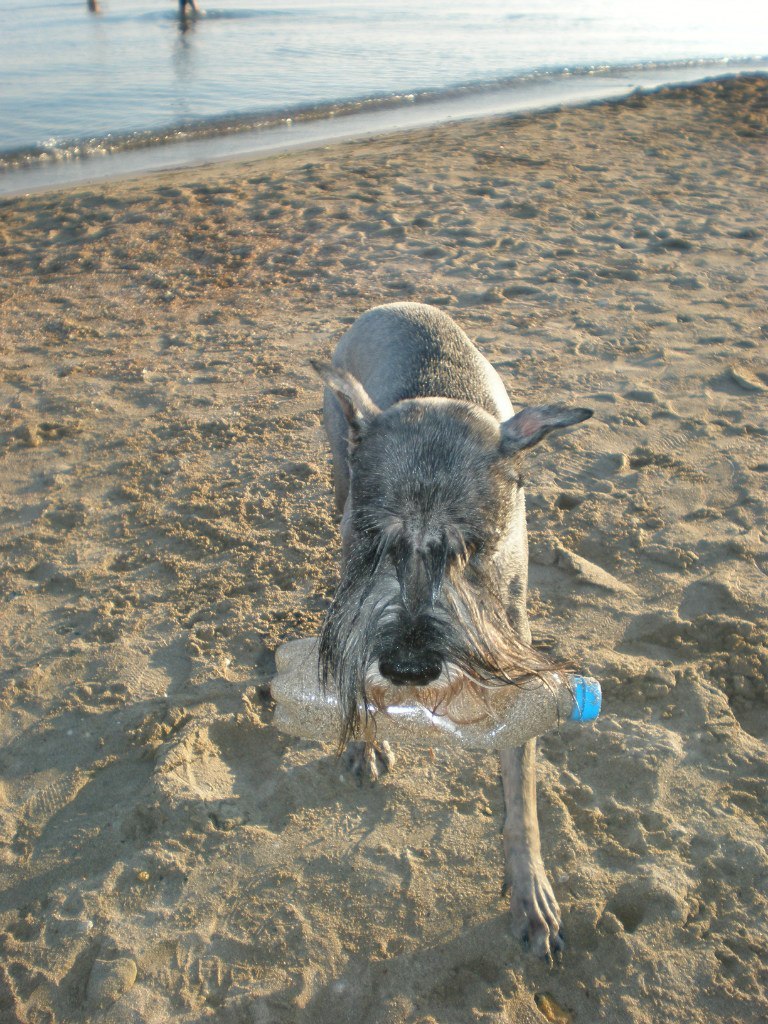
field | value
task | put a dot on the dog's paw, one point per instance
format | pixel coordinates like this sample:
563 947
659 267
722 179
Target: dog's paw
535 916
367 762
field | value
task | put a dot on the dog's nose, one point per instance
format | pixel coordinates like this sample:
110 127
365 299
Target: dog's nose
410 670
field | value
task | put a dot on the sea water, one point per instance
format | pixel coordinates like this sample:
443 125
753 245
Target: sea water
138 77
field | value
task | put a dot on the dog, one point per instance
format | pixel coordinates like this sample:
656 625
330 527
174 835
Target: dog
426 452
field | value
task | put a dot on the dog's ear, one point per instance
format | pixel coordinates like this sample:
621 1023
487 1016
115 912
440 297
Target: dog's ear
356 404
530 425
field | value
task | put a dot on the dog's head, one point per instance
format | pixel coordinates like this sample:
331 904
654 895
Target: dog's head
435 550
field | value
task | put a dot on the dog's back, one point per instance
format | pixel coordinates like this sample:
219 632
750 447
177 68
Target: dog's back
409 350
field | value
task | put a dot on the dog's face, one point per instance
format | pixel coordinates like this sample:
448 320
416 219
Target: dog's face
436 551
434 499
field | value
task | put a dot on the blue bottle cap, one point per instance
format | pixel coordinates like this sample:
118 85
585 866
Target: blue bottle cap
587 698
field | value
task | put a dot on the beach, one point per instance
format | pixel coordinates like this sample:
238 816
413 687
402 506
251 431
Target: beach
167 521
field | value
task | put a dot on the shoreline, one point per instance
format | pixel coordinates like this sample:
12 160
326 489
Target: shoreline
168 856
306 129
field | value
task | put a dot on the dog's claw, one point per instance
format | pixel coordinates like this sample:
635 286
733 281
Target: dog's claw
556 949
367 762
536 919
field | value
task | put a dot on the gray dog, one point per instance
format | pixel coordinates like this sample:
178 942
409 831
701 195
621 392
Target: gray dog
426 459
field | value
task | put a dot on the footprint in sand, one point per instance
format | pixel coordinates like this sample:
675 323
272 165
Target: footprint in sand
220 771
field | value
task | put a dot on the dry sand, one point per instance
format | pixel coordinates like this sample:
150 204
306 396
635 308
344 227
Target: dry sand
166 854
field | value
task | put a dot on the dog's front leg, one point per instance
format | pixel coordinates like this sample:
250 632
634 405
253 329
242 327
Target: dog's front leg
534 909
368 761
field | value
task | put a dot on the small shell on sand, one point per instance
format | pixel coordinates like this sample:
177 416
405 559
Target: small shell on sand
551 1010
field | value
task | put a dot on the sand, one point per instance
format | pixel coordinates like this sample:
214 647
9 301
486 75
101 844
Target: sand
168 855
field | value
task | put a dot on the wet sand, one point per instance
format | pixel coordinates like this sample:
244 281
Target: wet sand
166 521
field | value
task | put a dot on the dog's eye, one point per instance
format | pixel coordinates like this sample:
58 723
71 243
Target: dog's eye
462 546
469 550
475 553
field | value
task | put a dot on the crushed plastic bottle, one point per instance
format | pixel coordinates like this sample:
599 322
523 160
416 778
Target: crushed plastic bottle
499 717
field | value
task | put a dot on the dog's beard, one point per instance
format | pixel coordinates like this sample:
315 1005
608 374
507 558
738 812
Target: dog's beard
363 602
480 650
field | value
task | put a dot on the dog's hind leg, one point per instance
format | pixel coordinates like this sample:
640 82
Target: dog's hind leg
534 911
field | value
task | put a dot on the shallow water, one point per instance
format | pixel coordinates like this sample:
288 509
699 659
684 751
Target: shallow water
74 84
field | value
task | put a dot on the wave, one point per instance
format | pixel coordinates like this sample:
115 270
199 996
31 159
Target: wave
218 135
